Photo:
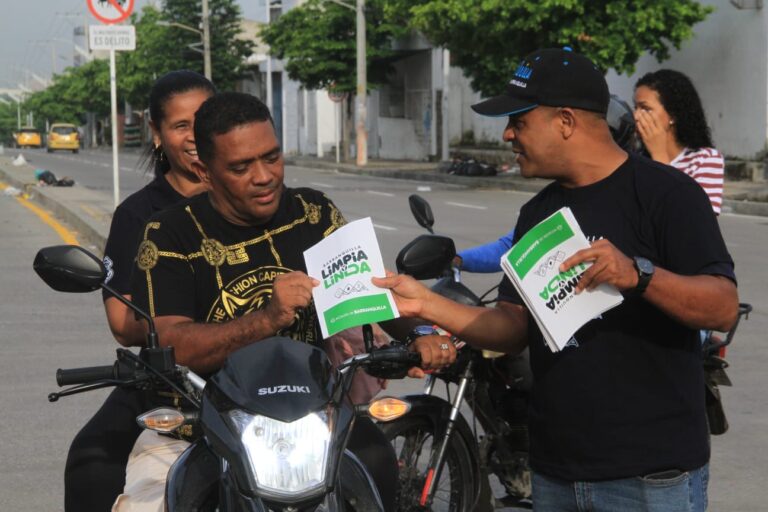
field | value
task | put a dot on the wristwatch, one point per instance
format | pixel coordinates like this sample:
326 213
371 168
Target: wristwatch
418 331
644 273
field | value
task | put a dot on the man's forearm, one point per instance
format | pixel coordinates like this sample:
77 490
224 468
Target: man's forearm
503 329
699 302
204 347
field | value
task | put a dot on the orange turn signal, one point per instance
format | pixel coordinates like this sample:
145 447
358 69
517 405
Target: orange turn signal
162 419
388 408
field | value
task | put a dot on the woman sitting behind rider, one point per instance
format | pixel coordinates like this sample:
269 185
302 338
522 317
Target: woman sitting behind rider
95 469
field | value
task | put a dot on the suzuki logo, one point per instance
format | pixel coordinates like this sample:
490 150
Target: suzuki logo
273 390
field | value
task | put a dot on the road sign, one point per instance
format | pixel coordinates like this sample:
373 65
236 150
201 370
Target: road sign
110 11
336 96
112 37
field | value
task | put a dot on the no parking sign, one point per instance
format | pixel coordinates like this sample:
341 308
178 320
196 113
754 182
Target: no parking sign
111 11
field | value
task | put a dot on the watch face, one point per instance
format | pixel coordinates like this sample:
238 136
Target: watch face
644 265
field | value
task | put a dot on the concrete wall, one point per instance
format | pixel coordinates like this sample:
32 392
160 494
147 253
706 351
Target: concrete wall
462 118
727 62
399 139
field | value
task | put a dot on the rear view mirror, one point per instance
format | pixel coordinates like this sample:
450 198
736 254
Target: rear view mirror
69 268
426 257
421 211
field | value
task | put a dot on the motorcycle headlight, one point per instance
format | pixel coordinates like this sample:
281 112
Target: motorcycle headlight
286 458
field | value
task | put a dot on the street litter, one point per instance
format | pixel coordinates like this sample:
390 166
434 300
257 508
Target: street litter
19 160
12 191
45 177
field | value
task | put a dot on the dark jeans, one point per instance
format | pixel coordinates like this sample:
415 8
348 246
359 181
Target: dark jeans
95 470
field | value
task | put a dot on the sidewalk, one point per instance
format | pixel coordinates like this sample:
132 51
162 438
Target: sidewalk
89 212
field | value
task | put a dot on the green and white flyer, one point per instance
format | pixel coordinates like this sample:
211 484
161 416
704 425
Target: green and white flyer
533 266
344 263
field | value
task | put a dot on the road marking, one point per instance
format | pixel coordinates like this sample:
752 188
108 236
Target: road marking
385 228
424 189
463 205
377 193
322 185
66 235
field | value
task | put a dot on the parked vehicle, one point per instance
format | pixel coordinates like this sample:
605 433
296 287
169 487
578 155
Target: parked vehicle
268 430
445 464
63 136
28 138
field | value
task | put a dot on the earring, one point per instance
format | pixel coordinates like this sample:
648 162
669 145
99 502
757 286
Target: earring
159 153
671 122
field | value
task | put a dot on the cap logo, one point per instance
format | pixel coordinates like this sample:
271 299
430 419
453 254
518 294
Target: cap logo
523 72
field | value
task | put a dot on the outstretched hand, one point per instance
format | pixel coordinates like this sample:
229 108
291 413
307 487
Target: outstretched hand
408 293
609 265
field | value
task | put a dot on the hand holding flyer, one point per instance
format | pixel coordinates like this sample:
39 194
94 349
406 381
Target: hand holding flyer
344 263
532 265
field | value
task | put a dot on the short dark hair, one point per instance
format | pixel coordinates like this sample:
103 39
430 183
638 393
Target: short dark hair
679 98
165 88
221 113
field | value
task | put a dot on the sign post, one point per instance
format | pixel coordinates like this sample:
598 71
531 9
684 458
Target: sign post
112 37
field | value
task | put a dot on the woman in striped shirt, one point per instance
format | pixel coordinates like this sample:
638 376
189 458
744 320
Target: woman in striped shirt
671 124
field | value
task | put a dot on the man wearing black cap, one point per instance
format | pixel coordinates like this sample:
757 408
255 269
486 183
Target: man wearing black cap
617 418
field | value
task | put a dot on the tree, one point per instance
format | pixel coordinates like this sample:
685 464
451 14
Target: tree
318 39
73 93
488 38
160 49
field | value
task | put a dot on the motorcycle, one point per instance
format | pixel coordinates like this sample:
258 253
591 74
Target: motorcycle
445 464
268 431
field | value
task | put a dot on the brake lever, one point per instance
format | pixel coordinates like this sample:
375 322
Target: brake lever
82 388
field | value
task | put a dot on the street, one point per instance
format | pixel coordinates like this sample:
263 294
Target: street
44 330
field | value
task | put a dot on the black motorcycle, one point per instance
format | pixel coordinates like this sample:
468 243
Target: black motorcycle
445 464
268 431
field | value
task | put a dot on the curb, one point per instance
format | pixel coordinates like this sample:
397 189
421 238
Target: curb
512 182
87 233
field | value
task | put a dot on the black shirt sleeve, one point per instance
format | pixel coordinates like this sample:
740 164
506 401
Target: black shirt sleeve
163 280
120 250
689 238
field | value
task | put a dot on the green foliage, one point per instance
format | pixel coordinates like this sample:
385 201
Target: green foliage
488 38
159 49
318 39
74 92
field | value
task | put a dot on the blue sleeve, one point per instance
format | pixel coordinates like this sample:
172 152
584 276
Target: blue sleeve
485 258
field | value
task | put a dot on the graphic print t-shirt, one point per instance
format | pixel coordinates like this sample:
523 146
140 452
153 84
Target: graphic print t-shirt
194 263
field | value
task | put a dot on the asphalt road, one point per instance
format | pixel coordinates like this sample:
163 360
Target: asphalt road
43 330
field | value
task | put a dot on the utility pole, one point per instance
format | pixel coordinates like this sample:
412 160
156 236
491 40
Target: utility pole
267 3
362 102
206 42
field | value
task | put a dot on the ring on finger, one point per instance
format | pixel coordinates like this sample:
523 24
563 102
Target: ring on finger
443 346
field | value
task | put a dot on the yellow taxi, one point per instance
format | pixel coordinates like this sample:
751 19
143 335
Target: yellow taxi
28 138
63 136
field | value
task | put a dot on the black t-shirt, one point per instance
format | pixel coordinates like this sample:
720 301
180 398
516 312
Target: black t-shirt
627 398
194 263
126 229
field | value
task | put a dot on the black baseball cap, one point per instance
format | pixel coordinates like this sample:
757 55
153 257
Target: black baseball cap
553 77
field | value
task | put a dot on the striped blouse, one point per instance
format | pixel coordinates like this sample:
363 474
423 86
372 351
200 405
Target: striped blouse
706 166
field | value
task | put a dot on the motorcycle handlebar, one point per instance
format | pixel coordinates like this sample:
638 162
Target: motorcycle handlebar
92 374
395 356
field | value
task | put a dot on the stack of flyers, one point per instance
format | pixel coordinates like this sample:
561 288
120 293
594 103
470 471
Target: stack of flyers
533 266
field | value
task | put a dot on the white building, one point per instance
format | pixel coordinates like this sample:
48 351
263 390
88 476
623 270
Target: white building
726 59
727 62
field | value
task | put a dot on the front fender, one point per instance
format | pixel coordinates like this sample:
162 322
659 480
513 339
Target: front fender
193 480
